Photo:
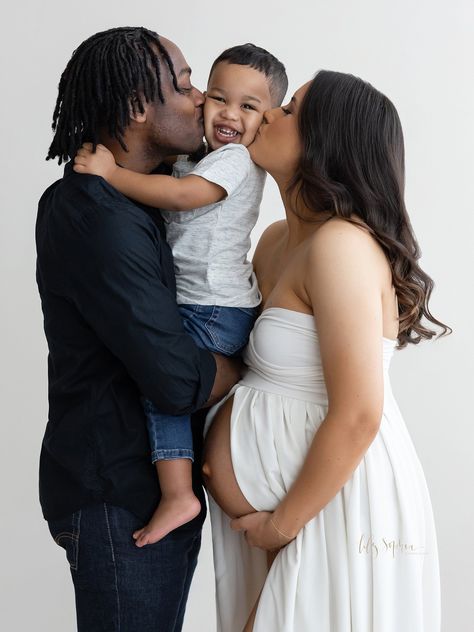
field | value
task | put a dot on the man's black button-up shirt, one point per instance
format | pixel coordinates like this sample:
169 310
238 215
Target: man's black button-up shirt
106 279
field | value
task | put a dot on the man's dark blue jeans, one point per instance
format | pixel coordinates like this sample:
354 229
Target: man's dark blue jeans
118 586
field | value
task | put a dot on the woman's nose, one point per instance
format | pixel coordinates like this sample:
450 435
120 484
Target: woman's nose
271 115
198 97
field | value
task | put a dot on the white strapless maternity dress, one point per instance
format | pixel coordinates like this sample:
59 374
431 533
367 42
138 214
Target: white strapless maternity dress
368 561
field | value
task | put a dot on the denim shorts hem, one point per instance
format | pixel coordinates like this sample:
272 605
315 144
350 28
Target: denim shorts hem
218 328
171 455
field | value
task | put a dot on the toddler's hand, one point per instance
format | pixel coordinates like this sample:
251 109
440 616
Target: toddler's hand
102 163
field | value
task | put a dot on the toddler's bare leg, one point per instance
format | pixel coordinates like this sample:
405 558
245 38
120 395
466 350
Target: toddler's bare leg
178 503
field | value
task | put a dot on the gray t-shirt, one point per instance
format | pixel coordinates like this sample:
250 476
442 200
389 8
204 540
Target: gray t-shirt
210 244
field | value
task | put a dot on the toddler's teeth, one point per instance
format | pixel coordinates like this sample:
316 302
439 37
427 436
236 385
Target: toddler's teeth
230 133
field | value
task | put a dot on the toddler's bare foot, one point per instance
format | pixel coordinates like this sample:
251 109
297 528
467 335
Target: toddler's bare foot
171 513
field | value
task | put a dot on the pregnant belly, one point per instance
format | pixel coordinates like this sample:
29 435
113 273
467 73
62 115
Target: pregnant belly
218 471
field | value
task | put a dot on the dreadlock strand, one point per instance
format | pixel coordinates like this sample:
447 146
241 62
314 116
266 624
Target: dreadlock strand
108 74
167 58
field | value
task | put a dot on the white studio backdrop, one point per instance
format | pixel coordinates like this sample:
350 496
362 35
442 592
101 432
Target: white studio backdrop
420 53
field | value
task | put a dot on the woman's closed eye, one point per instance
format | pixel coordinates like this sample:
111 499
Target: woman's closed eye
285 110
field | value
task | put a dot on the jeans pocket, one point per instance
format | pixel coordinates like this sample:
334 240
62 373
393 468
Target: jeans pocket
229 328
66 533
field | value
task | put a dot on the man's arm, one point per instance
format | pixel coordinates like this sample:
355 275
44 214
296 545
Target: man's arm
118 289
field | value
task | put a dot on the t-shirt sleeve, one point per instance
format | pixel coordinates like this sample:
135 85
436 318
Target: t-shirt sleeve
182 167
228 166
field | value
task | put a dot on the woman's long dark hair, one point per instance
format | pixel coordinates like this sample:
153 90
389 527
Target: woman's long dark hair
353 164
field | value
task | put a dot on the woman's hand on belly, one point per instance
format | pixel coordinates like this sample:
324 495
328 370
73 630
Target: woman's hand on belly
261 531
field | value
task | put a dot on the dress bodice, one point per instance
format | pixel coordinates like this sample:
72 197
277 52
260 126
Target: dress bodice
283 355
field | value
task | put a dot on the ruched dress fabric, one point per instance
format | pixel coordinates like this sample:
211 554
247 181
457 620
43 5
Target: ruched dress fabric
368 561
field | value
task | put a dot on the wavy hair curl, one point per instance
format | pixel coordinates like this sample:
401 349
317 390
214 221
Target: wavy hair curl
353 165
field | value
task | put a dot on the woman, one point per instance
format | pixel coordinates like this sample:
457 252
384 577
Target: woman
311 439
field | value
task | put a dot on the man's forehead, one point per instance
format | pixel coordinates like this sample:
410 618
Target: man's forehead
180 65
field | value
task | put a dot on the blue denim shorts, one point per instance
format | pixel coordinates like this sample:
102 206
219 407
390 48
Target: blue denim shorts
219 329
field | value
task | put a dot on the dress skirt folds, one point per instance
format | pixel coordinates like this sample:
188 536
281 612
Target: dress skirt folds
368 562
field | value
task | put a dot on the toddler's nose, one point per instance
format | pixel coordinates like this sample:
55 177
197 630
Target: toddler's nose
231 112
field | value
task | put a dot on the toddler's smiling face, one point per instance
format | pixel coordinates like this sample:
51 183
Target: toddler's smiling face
236 98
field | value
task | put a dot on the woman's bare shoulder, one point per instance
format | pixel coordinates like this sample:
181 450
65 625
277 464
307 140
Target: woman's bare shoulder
343 245
339 235
270 236
274 230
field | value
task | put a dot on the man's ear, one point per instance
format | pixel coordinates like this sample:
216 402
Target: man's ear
204 94
134 109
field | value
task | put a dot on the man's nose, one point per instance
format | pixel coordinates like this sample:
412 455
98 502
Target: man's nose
198 97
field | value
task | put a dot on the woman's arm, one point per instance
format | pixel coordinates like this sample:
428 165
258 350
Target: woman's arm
172 194
344 280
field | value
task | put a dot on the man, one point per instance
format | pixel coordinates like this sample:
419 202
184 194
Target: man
106 280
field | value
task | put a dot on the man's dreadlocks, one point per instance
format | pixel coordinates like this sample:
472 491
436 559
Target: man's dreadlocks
108 74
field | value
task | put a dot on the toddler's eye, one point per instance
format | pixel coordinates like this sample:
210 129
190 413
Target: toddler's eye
216 98
247 106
